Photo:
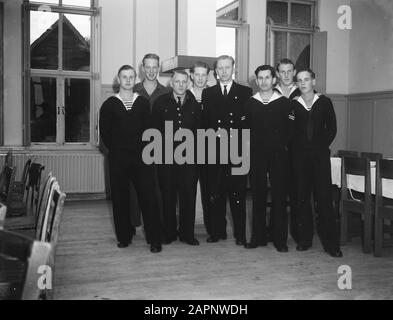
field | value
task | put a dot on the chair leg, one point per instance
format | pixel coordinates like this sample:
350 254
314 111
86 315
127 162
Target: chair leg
367 233
344 227
378 234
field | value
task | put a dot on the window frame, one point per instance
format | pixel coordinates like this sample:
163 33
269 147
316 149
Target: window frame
241 42
93 75
2 73
271 27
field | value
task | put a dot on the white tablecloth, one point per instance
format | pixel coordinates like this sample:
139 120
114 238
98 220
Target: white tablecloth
357 182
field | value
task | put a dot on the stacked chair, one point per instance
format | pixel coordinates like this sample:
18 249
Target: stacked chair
24 260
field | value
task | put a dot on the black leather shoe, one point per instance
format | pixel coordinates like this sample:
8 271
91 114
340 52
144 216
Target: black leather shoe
335 253
155 247
240 242
282 249
253 245
192 242
169 240
123 244
302 247
212 239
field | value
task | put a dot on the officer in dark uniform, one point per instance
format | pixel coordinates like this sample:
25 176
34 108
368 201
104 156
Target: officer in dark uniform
270 120
223 108
315 130
180 109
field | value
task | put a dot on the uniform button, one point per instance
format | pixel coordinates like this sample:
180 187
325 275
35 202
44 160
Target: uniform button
231 114
231 121
179 115
179 122
178 109
219 121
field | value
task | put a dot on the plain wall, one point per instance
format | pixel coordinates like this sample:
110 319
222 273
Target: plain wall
338 43
371 46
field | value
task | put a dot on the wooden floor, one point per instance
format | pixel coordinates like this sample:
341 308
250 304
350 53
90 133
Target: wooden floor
90 266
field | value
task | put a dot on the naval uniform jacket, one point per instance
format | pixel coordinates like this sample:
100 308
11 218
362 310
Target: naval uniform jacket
188 116
315 128
227 113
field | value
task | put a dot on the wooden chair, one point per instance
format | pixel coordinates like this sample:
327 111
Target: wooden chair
48 231
20 187
347 153
373 156
24 214
364 207
3 213
8 158
20 261
7 181
383 206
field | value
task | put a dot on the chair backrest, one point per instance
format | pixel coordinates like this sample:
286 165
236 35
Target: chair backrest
359 167
25 172
43 199
373 156
384 171
34 254
347 153
8 158
51 223
3 213
9 178
33 186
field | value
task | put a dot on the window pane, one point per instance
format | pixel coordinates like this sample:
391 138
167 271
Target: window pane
301 15
300 49
79 3
226 41
227 10
77 110
279 41
76 42
44 40
43 109
278 12
46 1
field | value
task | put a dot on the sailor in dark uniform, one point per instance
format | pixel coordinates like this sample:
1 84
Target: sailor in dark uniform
223 108
287 87
199 74
177 180
123 119
270 120
315 130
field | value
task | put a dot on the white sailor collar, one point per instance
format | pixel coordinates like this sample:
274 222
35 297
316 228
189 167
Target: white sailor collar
303 103
274 97
293 88
135 95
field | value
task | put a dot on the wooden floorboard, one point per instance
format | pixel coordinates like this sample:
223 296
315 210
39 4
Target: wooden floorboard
90 266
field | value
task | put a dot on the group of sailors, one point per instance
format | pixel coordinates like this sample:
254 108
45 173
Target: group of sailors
291 128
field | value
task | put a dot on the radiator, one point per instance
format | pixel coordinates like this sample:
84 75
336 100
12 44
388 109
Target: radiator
81 172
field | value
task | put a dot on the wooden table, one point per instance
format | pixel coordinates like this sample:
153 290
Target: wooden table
357 182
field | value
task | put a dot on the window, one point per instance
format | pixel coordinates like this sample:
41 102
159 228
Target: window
290 26
232 35
60 63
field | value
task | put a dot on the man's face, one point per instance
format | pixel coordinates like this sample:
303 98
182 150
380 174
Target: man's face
224 70
265 80
126 79
305 82
179 83
150 68
199 77
286 74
